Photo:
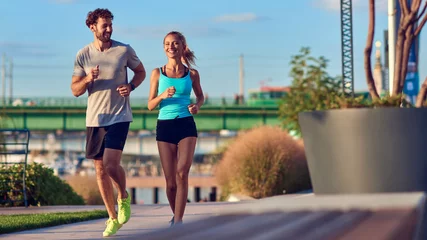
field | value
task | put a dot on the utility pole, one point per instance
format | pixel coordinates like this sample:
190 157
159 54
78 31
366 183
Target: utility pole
10 80
3 79
386 63
241 79
391 43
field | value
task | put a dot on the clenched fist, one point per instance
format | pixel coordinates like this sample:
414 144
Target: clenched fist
93 75
124 90
168 93
193 108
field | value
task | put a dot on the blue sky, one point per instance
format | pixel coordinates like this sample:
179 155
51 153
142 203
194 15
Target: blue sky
43 37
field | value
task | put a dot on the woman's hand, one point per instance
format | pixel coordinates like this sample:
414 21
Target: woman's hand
193 108
168 93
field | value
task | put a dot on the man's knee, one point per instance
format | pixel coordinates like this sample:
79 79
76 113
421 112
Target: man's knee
99 166
111 167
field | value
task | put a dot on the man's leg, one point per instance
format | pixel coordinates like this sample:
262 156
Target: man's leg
105 188
95 150
115 140
112 165
116 172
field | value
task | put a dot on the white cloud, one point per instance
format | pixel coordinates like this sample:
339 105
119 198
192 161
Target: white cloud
335 5
240 17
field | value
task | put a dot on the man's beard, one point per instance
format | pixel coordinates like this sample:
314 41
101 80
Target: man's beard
102 38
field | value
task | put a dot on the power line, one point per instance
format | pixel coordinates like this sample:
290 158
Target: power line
154 62
42 67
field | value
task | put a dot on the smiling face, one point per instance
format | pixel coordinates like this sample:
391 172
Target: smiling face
173 46
103 28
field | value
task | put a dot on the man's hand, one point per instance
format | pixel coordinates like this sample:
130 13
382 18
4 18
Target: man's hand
124 90
93 75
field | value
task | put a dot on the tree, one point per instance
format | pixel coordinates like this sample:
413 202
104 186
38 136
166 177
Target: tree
409 28
312 89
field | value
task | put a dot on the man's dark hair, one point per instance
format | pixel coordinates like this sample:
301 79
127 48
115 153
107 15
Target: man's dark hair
92 16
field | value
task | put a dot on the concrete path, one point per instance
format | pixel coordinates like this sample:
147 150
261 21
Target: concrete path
144 218
149 218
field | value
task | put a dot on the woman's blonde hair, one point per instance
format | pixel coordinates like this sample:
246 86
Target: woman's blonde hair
188 57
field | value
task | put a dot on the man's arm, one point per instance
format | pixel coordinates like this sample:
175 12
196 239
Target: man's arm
79 85
139 75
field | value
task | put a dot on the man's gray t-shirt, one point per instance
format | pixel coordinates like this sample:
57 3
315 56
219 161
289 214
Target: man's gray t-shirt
105 105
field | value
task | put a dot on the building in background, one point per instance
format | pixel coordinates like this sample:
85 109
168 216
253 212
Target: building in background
379 78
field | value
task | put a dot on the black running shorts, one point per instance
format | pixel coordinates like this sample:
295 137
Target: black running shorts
174 130
99 138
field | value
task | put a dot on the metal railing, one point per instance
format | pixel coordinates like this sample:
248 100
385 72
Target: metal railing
82 101
13 142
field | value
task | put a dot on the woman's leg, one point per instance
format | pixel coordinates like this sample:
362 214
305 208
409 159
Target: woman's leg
186 149
168 158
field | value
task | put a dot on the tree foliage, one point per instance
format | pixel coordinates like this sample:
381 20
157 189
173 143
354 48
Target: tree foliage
312 89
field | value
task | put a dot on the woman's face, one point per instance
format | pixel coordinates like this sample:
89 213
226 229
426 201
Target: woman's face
173 46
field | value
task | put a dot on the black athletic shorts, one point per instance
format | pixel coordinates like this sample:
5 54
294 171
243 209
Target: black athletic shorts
99 138
174 130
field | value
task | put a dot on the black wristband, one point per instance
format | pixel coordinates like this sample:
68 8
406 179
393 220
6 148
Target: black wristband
132 86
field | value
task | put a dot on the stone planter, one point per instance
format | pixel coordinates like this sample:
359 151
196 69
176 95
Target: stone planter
366 150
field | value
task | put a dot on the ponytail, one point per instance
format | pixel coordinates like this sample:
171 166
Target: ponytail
188 58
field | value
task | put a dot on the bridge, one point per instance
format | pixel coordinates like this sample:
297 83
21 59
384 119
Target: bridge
68 114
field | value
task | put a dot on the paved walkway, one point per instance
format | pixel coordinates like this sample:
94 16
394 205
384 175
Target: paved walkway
145 218
148 218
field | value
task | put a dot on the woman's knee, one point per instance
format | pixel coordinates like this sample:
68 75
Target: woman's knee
182 174
171 184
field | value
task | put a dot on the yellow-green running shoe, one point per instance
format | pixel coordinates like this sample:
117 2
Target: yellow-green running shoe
112 226
124 210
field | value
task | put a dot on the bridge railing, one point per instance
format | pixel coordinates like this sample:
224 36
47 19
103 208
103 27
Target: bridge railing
82 101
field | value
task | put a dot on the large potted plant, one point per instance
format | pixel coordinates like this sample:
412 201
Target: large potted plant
381 148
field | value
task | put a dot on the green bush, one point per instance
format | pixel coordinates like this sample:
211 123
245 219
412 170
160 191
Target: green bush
42 186
263 162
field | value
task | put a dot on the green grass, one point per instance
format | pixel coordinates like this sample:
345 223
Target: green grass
21 222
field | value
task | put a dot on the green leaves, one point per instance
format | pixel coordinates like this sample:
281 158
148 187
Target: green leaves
42 186
312 89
